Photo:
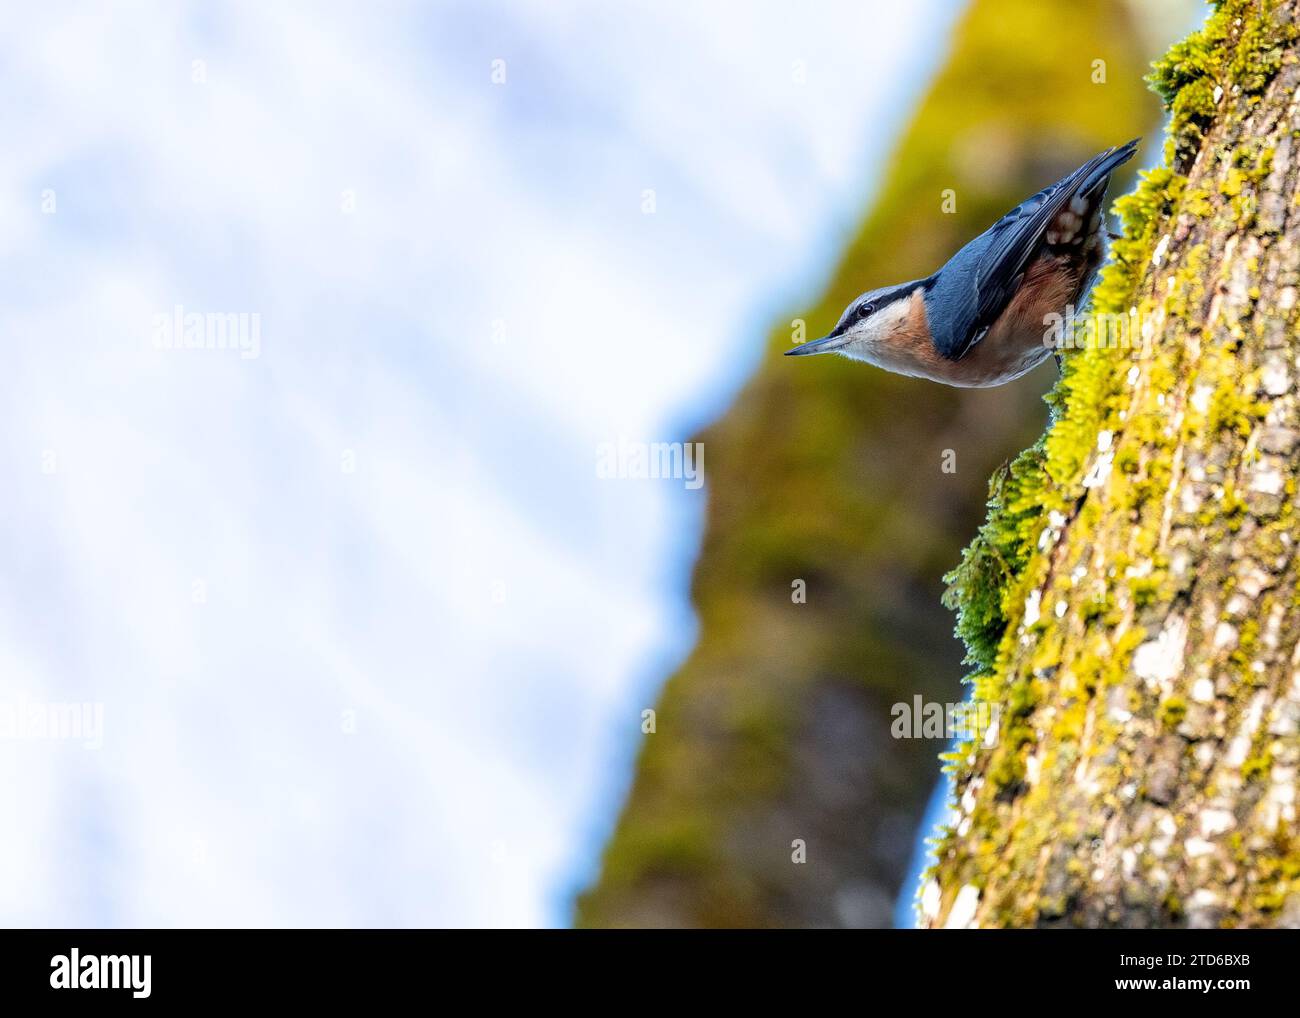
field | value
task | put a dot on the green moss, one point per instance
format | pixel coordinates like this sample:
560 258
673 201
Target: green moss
1145 590
1197 202
1230 51
1173 710
1257 767
1070 723
1243 655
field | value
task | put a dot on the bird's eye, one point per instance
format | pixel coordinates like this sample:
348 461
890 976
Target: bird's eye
866 309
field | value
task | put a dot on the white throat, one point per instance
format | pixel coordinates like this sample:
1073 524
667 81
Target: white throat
870 337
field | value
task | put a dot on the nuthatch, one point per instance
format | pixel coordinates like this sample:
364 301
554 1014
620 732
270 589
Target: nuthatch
981 319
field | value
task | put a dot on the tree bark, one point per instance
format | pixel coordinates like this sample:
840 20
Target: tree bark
1131 603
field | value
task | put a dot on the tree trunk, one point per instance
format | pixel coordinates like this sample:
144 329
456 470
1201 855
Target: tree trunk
1131 604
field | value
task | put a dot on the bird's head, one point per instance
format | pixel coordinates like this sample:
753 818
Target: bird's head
867 323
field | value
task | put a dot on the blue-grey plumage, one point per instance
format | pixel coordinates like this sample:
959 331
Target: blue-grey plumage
981 319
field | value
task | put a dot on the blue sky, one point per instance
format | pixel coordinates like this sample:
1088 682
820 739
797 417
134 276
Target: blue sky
370 636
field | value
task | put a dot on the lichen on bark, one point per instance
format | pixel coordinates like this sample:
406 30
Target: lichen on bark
1130 605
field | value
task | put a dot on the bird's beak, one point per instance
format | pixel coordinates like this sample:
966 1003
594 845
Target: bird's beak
824 345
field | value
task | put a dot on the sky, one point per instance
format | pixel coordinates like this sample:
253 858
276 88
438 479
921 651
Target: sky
316 608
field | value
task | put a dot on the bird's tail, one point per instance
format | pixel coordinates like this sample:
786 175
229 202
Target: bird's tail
1096 172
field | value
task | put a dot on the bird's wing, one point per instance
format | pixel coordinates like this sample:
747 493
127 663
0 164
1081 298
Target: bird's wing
986 272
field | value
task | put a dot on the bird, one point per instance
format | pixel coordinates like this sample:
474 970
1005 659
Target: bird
981 320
